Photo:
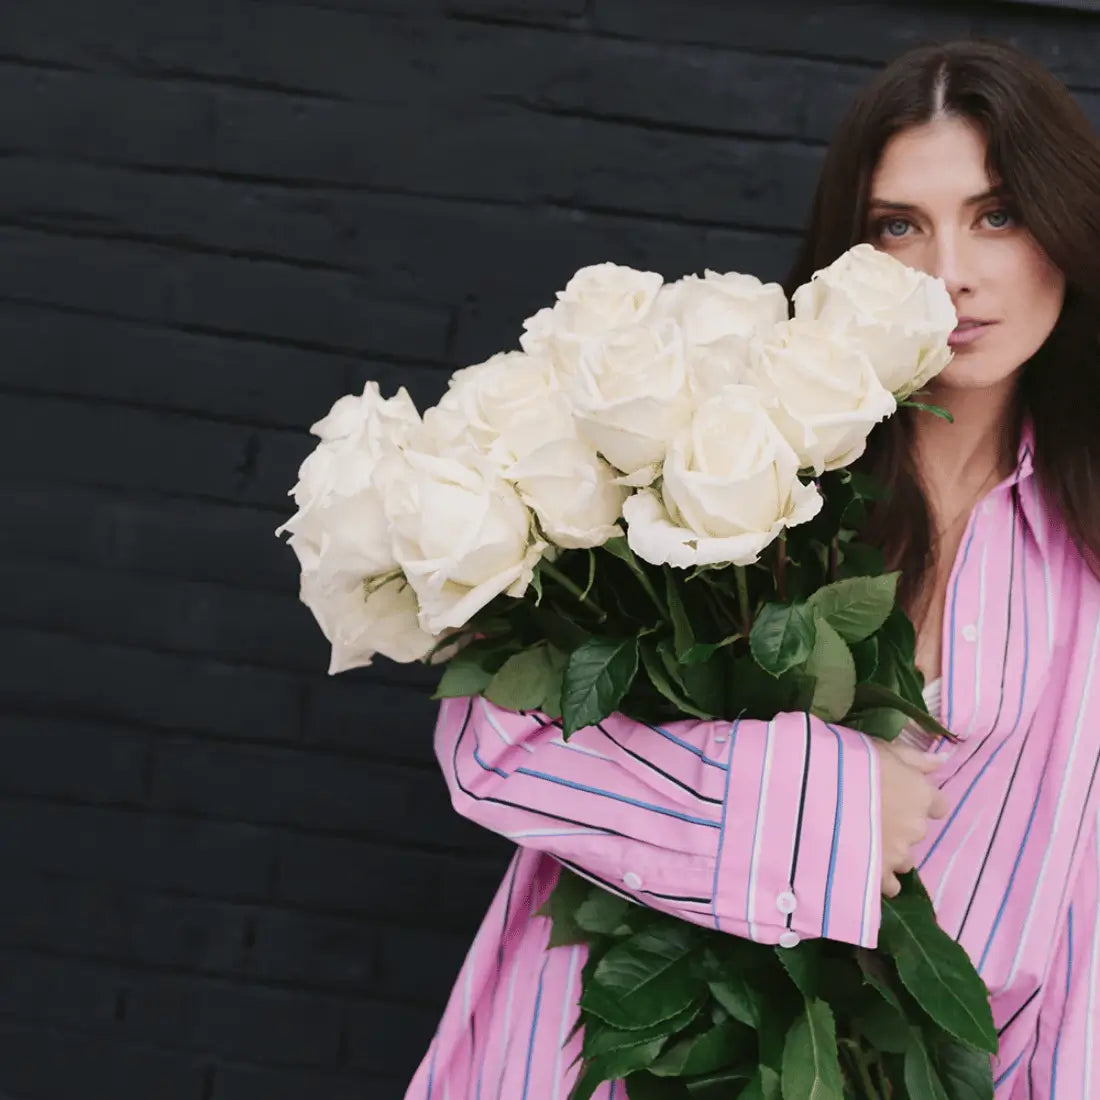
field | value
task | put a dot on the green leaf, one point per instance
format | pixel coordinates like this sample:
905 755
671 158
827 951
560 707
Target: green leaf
880 722
782 637
706 1053
935 969
461 678
803 964
601 1040
855 608
861 561
878 973
598 675
524 680
613 1066
739 997
551 703
659 678
682 634
922 1082
646 979
602 913
872 696
561 906
885 1029
966 1074
811 1068
865 655
834 671
763 1085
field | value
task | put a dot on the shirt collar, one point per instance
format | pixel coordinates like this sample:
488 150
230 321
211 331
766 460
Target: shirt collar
1024 482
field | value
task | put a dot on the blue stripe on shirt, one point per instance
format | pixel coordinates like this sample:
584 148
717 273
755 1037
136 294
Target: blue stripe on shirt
618 798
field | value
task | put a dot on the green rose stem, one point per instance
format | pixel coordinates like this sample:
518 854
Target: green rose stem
571 587
834 548
857 1059
743 598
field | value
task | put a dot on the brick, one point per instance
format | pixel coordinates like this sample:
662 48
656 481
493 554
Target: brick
380 883
156 689
390 1039
193 617
250 1083
215 377
309 949
122 447
227 860
415 965
113 921
247 297
60 758
147 535
387 721
269 1026
276 786
59 990
49 1063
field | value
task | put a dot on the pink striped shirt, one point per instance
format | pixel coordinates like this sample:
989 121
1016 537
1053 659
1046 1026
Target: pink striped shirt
727 824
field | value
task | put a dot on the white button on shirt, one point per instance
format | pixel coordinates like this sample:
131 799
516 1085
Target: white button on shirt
790 939
786 902
970 632
632 880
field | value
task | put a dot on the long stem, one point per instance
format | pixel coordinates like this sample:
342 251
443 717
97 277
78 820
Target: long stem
781 568
743 598
834 548
857 1059
574 589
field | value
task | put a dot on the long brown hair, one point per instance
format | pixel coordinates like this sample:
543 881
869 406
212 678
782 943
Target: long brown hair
1044 152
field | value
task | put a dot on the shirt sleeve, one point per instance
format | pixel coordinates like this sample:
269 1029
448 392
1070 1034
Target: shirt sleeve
766 830
1054 1054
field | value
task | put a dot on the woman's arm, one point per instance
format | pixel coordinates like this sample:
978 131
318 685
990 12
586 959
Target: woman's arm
768 830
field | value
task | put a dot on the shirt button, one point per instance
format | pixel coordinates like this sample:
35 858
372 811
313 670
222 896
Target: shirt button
721 738
786 902
970 632
633 880
790 939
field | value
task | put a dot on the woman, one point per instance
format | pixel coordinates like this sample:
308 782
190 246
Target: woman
972 163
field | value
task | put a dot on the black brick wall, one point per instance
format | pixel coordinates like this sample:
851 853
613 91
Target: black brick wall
223 875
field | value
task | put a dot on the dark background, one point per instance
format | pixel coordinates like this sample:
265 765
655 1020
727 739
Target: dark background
224 875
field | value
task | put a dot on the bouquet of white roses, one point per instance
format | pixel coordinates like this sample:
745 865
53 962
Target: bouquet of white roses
649 509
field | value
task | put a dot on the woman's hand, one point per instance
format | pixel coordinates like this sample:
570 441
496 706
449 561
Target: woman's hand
909 800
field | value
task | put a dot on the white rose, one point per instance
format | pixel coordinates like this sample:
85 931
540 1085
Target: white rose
359 624
631 396
504 408
595 301
572 491
729 488
825 394
723 305
461 534
340 525
901 317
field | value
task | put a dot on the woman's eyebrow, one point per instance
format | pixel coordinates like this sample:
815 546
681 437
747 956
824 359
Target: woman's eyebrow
911 207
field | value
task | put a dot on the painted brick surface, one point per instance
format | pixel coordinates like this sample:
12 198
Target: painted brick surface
225 875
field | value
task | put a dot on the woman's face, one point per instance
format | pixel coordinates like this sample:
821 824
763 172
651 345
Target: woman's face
934 207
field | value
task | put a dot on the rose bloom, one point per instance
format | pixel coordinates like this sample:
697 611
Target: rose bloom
729 487
900 317
823 393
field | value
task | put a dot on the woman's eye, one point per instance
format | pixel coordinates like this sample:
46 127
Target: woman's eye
998 219
894 227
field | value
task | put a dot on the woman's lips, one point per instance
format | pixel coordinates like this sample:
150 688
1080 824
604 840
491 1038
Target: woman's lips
967 332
